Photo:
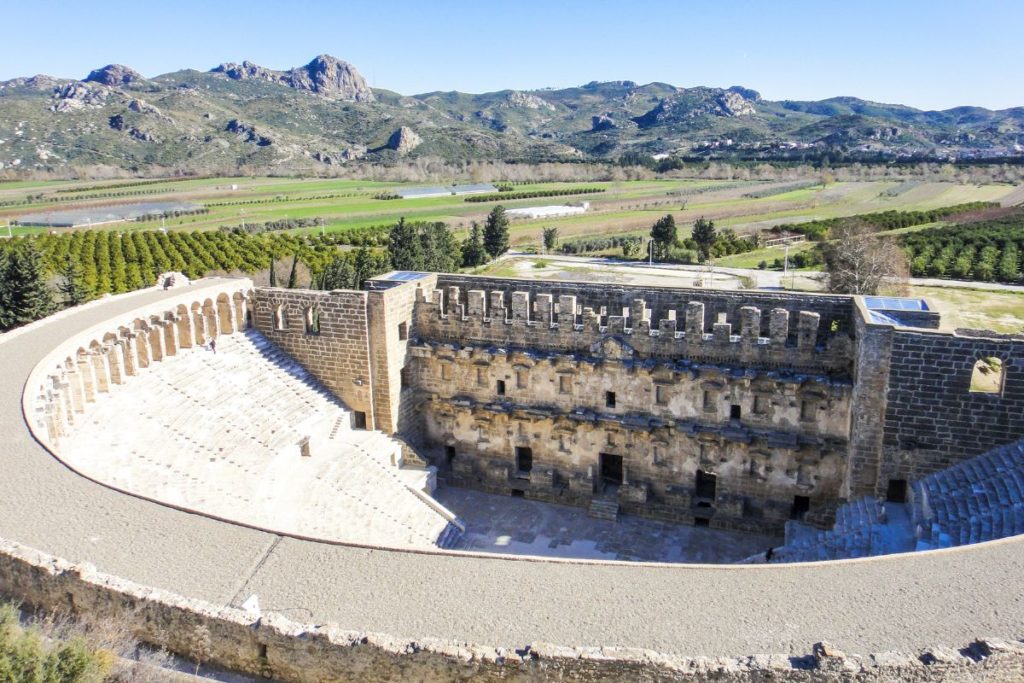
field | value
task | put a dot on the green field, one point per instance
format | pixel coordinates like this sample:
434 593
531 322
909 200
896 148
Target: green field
625 207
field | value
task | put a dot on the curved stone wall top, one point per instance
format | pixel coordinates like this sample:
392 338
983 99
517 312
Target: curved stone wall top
937 598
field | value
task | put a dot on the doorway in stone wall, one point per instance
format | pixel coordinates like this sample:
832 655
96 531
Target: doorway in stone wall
611 471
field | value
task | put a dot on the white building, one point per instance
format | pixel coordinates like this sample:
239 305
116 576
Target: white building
547 211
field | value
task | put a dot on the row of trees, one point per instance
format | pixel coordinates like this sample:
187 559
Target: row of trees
988 252
431 247
532 194
885 220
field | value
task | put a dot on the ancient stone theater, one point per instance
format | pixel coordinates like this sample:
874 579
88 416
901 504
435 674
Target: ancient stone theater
270 465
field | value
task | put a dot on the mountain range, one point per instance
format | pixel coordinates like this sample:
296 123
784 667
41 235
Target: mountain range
245 116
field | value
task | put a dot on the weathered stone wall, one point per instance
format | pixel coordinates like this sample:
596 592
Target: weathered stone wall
932 418
751 337
662 300
337 353
767 436
391 326
272 646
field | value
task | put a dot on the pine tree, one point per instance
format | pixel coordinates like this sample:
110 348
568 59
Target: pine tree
273 273
496 232
293 276
704 235
363 267
339 274
473 252
550 238
24 295
72 285
664 236
441 253
405 247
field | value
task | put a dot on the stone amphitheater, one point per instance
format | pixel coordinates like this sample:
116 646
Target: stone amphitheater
260 465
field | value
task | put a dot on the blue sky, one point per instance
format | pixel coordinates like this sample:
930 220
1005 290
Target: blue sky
928 54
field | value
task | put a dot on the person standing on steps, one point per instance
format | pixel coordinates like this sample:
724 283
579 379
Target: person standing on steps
213 345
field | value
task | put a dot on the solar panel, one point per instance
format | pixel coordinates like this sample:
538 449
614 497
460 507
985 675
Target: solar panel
402 276
892 303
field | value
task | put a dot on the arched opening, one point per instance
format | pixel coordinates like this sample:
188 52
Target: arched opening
989 376
280 319
312 320
224 314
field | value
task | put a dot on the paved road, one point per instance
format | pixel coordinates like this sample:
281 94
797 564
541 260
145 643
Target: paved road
939 598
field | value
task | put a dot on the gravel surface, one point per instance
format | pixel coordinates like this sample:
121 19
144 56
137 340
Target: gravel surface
938 598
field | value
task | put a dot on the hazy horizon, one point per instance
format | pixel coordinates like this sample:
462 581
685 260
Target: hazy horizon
928 55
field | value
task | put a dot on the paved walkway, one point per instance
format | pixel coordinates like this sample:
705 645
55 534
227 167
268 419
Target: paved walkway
913 601
502 524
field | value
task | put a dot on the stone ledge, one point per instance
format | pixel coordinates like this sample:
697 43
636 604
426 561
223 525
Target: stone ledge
272 645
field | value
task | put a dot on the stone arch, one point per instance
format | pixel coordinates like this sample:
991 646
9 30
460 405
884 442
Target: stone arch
210 318
101 372
280 317
198 324
112 350
141 338
242 320
183 326
224 314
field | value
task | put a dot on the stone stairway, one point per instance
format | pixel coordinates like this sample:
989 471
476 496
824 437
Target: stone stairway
604 507
977 500
225 434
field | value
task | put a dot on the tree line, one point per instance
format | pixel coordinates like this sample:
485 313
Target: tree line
531 194
989 251
818 230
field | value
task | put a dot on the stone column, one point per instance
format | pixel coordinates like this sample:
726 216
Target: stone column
113 352
101 370
640 317
567 312
476 304
170 338
694 322
807 331
778 327
498 307
520 308
545 310
183 324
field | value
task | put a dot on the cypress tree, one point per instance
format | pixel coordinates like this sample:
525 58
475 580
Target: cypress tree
473 252
25 296
72 285
704 235
496 232
273 273
405 248
664 235
293 276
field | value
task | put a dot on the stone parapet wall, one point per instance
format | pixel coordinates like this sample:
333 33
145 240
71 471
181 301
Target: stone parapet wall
272 646
746 335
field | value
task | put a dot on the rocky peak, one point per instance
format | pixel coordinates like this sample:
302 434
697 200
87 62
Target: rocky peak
113 74
331 77
404 140
247 71
734 104
523 100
